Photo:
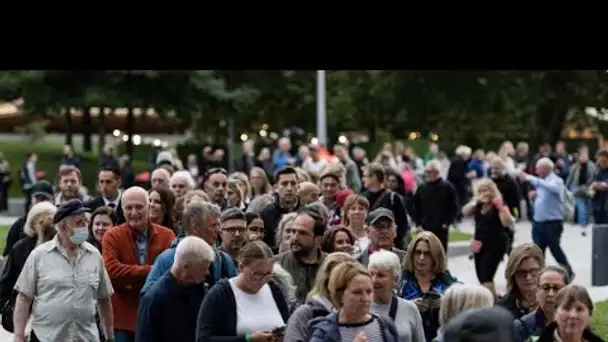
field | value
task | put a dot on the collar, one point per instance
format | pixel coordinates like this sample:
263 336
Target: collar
56 244
115 202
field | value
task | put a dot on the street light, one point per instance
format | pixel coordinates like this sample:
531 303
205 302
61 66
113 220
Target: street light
342 139
156 142
263 133
244 137
136 139
125 138
116 133
314 141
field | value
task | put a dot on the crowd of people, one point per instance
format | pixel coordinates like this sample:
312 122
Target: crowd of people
307 247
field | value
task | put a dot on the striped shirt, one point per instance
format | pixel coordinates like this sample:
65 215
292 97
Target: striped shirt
371 329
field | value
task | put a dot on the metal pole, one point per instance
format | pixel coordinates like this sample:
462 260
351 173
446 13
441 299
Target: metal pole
321 109
230 144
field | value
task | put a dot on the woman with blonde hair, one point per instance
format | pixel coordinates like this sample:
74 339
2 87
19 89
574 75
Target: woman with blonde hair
492 221
260 184
351 292
425 278
523 268
243 181
318 302
506 153
258 203
284 232
354 212
235 194
459 298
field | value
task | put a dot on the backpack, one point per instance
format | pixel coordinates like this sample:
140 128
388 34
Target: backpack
381 199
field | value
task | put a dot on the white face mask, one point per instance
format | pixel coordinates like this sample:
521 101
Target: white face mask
81 234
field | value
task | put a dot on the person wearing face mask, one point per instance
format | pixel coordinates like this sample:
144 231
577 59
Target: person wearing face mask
66 275
168 310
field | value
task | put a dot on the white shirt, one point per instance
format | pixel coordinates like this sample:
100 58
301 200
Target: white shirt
115 201
255 312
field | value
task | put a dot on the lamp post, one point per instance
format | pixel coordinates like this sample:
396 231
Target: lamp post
321 109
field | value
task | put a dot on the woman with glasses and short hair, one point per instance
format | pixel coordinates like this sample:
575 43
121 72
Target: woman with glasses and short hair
248 307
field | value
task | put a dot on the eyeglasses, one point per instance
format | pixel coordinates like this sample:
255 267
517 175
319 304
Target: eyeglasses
548 287
234 230
533 272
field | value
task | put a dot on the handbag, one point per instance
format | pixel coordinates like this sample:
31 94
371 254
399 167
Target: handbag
7 314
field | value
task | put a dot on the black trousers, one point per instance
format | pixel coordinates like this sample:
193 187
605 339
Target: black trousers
441 233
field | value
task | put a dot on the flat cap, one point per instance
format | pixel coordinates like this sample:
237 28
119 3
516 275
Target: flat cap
379 213
69 208
43 188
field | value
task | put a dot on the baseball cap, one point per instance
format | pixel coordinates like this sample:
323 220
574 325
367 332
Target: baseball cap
42 188
377 214
69 208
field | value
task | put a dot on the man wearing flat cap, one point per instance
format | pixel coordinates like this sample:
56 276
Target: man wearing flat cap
68 279
382 233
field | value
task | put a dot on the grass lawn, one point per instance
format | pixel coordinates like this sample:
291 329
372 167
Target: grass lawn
49 153
599 319
3 233
458 236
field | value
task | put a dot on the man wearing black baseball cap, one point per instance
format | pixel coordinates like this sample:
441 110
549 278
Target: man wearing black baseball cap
66 275
41 191
382 233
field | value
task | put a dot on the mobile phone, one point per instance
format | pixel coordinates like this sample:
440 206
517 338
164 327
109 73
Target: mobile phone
432 295
278 330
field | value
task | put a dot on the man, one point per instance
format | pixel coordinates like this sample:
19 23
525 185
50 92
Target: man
247 160
69 185
314 165
353 178
233 230
282 156
599 185
214 184
181 182
562 159
308 193
435 204
382 232
305 256
67 278
508 187
128 252
286 201
199 219
27 177
432 153
160 178
548 224
109 186
42 191
378 196
169 310
330 184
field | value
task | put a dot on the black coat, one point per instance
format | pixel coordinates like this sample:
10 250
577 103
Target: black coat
98 202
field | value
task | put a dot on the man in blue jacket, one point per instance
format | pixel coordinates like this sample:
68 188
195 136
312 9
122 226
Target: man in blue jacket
199 219
169 310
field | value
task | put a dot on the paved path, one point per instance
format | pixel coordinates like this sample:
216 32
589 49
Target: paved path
577 248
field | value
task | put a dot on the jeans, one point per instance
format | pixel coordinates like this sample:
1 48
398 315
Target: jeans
548 234
583 205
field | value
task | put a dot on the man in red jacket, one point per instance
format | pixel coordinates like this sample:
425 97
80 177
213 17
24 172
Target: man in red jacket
128 253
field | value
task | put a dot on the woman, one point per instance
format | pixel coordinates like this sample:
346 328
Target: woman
579 179
354 213
38 229
162 202
182 202
264 163
235 194
425 278
255 226
523 268
574 308
260 202
285 231
385 269
506 153
248 307
102 219
492 221
338 239
243 181
351 292
460 298
318 302
259 182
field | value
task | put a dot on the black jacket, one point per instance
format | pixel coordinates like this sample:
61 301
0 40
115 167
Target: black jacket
98 202
14 265
15 233
493 324
390 200
435 204
509 189
217 317
168 311
547 335
271 215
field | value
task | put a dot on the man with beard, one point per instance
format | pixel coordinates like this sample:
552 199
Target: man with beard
286 201
382 232
215 186
435 204
509 189
305 256
69 185
233 230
